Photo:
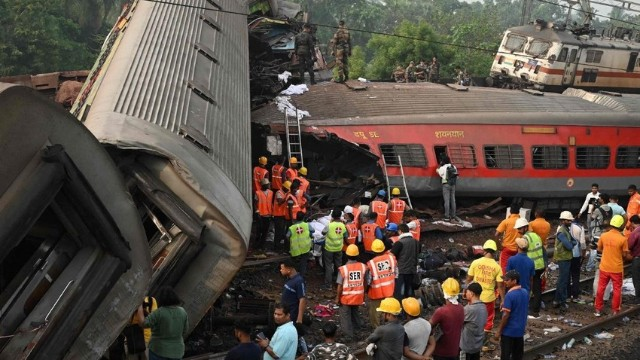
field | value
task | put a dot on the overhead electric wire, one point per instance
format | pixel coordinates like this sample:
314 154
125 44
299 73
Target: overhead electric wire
591 65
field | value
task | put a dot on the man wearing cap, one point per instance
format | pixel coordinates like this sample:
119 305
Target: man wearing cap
615 250
397 207
263 200
335 236
260 172
507 229
514 318
579 250
379 207
350 292
391 234
382 271
418 331
537 252
370 231
487 272
563 253
388 341
292 171
302 195
450 319
475 318
522 263
406 251
300 236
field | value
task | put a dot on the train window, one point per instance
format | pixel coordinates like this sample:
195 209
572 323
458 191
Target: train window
572 57
589 75
550 157
592 157
538 48
593 56
628 157
410 154
515 42
563 55
462 155
504 156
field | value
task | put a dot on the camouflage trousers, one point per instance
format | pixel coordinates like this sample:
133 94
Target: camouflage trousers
342 63
305 64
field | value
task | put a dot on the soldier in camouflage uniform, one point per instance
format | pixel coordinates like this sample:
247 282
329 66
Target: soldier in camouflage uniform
398 75
330 349
410 73
304 48
434 70
341 49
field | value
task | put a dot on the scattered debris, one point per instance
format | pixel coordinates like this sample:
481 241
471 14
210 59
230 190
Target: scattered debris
603 336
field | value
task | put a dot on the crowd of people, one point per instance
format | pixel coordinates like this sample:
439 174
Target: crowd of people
418 73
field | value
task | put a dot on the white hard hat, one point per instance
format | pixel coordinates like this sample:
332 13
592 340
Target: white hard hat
348 210
521 222
566 215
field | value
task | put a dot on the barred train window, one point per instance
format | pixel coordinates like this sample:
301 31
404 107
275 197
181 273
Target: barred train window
462 156
504 156
550 157
592 157
593 56
628 157
410 154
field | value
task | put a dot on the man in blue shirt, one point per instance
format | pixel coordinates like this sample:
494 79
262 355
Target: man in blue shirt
523 264
514 318
294 293
284 343
247 349
615 208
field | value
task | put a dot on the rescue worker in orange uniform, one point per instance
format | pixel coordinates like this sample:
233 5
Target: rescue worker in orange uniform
279 215
379 207
509 235
633 207
350 292
264 211
260 172
293 207
413 223
397 207
292 172
381 274
353 233
276 175
301 194
369 231
355 206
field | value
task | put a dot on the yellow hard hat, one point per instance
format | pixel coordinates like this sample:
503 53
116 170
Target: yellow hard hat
395 191
302 171
352 250
617 221
287 185
451 287
293 160
377 246
390 305
490 245
411 306
262 160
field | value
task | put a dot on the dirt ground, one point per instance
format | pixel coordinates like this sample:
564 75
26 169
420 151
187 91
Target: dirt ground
215 333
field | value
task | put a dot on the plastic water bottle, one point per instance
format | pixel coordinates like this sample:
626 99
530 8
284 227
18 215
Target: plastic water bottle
587 341
570 343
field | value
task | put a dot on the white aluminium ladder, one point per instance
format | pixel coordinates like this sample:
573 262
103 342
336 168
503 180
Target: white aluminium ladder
294 137
397 181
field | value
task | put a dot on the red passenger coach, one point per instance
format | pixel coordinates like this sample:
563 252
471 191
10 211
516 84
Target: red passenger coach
504 142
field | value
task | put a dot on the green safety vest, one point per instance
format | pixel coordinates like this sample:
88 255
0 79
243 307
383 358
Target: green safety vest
300 239
560 252
536 249
335 236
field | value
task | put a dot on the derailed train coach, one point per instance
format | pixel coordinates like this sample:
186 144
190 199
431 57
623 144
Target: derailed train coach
169 99
162 198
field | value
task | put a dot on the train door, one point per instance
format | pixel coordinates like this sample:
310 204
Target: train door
570 66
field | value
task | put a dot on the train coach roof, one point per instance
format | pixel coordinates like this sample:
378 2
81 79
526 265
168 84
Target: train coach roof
418 103
614 101
566 37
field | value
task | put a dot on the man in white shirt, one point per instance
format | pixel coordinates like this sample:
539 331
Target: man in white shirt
591 199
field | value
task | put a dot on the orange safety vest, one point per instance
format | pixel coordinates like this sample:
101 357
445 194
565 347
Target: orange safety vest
265 202
304 184
352 235
368 235
302 201
416 232
379 208
259 173
276 176
383 276
356 216
396 210
280 209
352 283
291 174
294 210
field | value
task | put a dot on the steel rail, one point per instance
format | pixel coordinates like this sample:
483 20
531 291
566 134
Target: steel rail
584 283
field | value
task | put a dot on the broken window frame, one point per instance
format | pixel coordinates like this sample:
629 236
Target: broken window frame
545 157
592 157
538 53
628 157
515 37
412 155
507 157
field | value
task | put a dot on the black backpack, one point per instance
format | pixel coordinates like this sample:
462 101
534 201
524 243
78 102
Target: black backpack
452 175
606 216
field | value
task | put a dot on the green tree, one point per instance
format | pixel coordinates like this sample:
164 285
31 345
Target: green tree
357 63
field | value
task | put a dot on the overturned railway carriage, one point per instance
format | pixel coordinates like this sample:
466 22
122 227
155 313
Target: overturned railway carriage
547 58
169 99
503 142
74 263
